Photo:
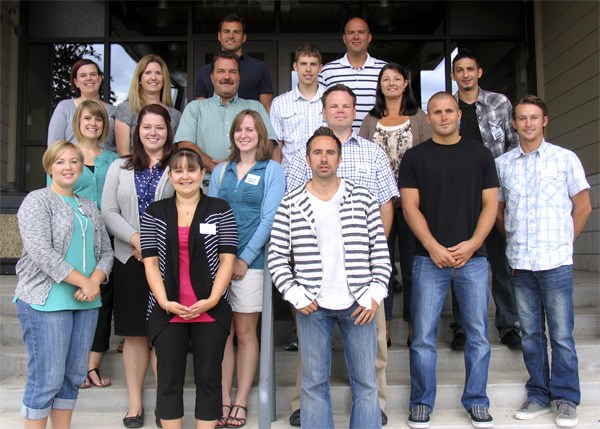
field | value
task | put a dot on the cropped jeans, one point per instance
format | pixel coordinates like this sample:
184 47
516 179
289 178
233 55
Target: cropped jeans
360 350
58 343
547 297
430 286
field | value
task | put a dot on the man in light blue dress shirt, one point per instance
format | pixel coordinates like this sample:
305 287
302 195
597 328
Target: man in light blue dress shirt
544 205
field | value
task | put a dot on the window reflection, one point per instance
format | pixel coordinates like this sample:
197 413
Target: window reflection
124 58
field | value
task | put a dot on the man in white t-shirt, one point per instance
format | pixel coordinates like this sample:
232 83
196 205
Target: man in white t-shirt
340 276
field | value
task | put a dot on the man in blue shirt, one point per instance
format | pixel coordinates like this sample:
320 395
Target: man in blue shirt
255 81
544 205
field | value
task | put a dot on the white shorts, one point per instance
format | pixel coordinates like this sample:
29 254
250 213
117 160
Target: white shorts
246 295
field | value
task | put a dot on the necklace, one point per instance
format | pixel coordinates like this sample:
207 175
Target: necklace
78 216
190 208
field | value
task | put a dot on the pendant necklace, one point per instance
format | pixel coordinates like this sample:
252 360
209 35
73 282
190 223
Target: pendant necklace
78 217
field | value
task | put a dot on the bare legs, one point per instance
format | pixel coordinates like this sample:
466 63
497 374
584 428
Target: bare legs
244 326
136 357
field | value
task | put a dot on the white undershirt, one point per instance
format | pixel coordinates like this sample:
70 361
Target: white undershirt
335 292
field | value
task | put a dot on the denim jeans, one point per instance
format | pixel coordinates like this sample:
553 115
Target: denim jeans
58 343
507 318
360 349
430 286
547 297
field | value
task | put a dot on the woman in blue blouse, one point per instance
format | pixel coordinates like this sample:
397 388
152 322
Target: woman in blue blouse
66 257
253 185
132 183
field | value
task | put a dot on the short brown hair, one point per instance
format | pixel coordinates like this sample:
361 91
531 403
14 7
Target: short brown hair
95 109
530 99
309 50
57 149
262 151
341 88
324 132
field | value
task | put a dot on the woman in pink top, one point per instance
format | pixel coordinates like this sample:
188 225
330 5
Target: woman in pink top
188 230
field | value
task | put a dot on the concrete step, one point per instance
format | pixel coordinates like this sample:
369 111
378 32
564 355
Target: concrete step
505 390
13 359
587 325
455 419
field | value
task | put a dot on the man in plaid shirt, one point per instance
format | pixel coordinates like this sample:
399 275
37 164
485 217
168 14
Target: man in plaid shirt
486 117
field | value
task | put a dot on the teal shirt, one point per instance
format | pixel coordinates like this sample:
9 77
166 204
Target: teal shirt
61 294
207 123
90 185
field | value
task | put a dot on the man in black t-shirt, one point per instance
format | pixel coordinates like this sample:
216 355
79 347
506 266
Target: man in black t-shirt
450 200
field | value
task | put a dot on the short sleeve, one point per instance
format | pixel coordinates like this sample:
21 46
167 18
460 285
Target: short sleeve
576 181
265 86
490 176
407 177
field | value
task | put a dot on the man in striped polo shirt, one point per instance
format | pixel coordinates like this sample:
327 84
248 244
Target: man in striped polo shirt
356 69
333 228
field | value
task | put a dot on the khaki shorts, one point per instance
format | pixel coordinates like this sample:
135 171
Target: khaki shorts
246 295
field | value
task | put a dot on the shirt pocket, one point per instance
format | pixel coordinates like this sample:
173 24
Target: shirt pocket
292 126
551 187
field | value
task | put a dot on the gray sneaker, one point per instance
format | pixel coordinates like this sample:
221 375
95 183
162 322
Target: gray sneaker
531 409
566 414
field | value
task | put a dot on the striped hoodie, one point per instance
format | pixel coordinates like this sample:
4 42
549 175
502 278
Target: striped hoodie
367 260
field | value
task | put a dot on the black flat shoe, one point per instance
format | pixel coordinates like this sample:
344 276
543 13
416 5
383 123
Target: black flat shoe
134 421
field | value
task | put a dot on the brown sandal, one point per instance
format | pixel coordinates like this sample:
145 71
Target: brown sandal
222 422
233 417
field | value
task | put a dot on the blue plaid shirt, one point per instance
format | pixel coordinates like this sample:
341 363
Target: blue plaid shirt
537 189
363 162
494 114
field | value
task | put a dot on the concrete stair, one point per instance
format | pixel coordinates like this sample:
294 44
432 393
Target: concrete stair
104 408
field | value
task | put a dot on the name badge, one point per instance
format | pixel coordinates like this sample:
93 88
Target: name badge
363 169
497 133
252 179
549 173
208 228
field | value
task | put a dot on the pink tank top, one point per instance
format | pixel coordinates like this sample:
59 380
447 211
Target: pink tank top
187 296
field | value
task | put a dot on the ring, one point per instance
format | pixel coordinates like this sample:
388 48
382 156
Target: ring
84 297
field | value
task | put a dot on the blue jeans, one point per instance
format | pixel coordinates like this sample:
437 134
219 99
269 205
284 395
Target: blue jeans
507 318
430 286
547 296
58 343
360 350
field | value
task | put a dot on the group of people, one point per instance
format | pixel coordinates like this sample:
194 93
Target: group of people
160 219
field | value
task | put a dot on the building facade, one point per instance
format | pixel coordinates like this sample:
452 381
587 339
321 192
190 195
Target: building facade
524 47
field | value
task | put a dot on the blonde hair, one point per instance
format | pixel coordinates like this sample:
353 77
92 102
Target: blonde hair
136 96
57 149
95 109
262 150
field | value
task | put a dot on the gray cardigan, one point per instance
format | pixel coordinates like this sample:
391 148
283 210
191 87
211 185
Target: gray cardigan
421 130
46 225
120 205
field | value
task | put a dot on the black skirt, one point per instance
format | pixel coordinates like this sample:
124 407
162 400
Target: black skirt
131 292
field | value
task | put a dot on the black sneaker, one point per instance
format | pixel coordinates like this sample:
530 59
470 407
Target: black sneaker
458 342
480 417
419 417
512 339
295 418
292 344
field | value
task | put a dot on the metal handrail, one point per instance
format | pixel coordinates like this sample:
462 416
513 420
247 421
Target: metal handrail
266 383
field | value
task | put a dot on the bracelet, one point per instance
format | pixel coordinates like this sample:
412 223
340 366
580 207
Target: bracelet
167 307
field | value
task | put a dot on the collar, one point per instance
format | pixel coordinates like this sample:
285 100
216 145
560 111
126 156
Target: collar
370 61
217 100
296 94
353 139
481 96
542 150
